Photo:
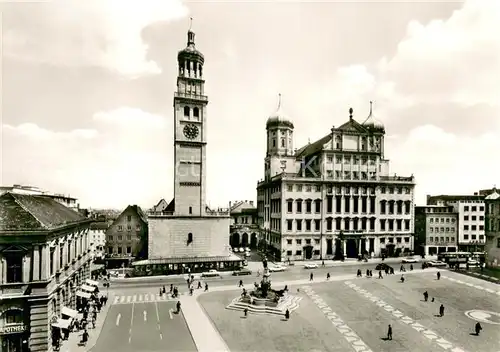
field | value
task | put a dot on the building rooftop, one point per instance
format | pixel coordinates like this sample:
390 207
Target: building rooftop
23 212
99 225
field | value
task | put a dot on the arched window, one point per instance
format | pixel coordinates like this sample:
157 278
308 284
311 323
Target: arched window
283 142
196 112
190 238
274 142
190 210
186 111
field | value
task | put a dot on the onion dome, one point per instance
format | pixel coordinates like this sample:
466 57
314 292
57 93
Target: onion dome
494 195
279 118
190 52
371 123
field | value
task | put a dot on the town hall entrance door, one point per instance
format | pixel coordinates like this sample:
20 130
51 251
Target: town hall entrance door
351 248
308 252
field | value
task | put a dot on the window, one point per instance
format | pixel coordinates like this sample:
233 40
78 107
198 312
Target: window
282 142
308 241
196 112
120 228
14 267
190 238
474 208
289 242
299 242
186 111
498 242
317 225
299 188
308 225
68 257
274 142
289 226
466 227
466 237
129 237
329 224
289 253
120 250
298 252
190 210
52 250
466 208
481 208
308 188
308 206
120 238
299 225
129 218
299 206
317 206
129 250
129 227
318 188
13 317
290 188
289 204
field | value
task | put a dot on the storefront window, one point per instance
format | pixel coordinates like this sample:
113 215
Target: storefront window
14 268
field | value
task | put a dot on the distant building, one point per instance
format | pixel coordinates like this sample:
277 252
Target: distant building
333 198
244 226
187 235
126 237
160 207
436 229
44 260
492 204
471 217
65 200
97 238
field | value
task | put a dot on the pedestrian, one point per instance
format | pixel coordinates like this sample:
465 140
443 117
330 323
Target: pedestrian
161 292
171 288
322 263
206 287
311 276
386 271
191 290
286 288
287 314
380 274
371 273
199 284
441 310
178 307
188 282
402 269
432 299
328 276
402 279
245 311
438 275
478 328
389 332
164 290
411 267
367 273
426 296
241 283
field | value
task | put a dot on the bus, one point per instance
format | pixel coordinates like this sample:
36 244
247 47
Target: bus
454 258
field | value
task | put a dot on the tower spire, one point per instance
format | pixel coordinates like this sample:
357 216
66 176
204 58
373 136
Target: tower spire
371 105
190 33
279 101
190 23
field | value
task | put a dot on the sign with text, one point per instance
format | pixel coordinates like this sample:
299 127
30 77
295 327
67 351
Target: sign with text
12 329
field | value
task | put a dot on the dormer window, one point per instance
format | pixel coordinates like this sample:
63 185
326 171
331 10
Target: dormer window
186 111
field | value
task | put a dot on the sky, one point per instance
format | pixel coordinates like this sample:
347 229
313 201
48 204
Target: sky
87 90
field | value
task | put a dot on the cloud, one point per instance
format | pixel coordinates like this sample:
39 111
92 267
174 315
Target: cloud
104 33
120 158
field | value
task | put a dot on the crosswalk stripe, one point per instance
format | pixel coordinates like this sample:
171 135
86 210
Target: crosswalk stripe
134 298
117 298
137 298
123 299
128 299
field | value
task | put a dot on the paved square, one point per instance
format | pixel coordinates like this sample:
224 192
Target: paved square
353 315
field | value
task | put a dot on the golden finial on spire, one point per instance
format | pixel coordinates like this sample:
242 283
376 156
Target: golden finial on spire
279 100
371 105
190 23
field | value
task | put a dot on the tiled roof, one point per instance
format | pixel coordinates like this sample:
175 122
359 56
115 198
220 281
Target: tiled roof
453 198
314 147
23 212
352 126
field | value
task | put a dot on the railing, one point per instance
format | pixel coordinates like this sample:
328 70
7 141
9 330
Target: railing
218 212
160 213
190 96
319 177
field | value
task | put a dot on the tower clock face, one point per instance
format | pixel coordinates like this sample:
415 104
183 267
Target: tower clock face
191 131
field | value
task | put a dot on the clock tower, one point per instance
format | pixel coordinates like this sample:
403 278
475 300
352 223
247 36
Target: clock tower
190 106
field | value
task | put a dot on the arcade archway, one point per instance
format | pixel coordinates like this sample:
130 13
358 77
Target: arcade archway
235 240
253 240
244 240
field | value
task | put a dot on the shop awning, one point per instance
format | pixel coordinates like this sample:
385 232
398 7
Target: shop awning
88 288
83 294
69 312
91 282
62 324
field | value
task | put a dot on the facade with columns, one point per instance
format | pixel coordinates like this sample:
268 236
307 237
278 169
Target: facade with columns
333 198
44 258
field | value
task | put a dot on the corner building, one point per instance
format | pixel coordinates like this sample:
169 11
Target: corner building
44 259
187 235
333 198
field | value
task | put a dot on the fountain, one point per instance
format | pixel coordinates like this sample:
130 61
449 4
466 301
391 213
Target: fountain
263 299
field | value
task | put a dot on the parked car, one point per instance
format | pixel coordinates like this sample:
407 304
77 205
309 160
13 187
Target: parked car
409 260
473 262
248 254
276 268
436 263
242 272
311 266
383 267
210 273
247 249
241 250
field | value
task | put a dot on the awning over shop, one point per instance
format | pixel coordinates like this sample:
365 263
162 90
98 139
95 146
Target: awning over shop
83 294
88 288
91 282
62 324
69 312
